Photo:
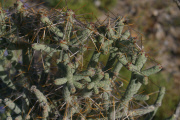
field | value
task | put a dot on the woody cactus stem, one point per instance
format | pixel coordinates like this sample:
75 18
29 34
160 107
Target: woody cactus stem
43 74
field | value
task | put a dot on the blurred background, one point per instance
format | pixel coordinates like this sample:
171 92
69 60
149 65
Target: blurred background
156 23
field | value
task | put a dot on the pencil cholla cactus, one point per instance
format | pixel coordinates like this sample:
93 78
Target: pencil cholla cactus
43 74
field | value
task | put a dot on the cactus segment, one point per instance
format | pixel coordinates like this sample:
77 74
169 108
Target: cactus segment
119 26
40 96
71 79
51 27
117 68
5 78
8 102
67 97
122 59
97 82
110 33
125 35
2 22
69 24
142 111
18 5
60 81
143 79
83 37
152 70
45 112
94 59
141 97
157 103
141 60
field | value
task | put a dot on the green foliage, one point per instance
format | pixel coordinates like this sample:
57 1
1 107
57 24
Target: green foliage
43 75
83 6
107 4
6 3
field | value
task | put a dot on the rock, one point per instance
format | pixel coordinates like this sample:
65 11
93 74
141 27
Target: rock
164 18
155 13
97 3
171 46
175 31
160 34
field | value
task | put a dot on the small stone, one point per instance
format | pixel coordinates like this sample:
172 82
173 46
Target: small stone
97 3
160 34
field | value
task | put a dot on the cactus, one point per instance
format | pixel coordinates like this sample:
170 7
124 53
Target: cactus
41 61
